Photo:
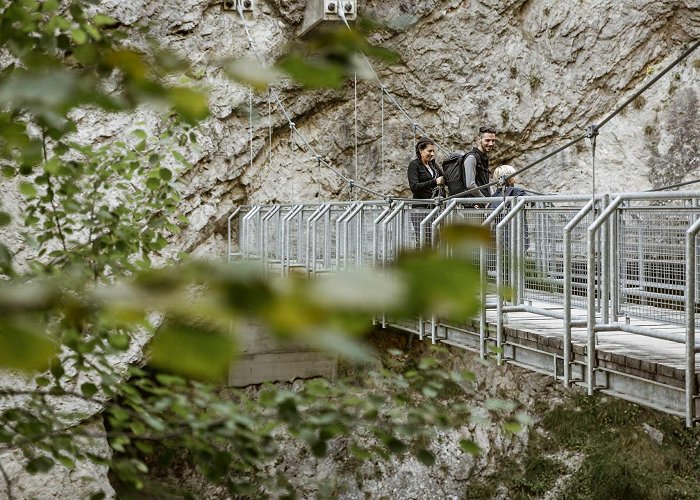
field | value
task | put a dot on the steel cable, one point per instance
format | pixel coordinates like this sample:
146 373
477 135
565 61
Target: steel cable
351 182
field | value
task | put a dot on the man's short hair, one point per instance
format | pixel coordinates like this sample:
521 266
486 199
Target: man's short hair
486 129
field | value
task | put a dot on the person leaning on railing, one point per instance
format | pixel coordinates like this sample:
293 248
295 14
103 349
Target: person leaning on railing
425 177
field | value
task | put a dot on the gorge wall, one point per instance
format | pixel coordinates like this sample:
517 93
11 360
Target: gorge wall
540 71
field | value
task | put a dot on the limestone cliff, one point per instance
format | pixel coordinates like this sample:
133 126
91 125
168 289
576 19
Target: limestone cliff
539 70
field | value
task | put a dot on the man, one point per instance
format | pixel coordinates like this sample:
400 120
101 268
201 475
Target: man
476 163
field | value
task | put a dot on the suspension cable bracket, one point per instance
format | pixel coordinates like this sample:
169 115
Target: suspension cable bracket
239 5
591 131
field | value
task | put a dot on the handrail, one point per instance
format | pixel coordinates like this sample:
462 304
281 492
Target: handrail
228 225
286 234
591 320
499 275
567 286
421 234
691 283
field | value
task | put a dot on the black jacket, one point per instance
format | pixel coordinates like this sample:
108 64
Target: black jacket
510 191
482 170
419 179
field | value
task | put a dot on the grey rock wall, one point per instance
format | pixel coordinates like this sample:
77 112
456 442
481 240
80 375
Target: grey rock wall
538 70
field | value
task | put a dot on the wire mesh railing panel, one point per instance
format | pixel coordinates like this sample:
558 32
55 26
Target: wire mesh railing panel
543 257
471 216
652 261
237 236
296 235
325 238
411 227
252 232
365 255
273 234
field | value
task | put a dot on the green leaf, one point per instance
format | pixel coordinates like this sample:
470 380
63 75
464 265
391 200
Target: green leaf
39 464
360 453
23 348
88 389
287 411
66 461
469 446
79 36
152 183
512 426
102 20
429 392
425 457
166 379
165 174
192 351
395 445
130 62
119 341
313 74
249 72
5 219
27 189
93 32
140 134
190 104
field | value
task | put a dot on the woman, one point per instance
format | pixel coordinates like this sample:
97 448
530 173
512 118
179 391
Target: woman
424 176
426 180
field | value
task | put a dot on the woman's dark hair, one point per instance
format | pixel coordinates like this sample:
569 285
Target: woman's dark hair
423 143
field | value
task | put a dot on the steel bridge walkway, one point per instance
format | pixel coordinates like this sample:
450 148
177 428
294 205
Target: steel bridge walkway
634 367
617 276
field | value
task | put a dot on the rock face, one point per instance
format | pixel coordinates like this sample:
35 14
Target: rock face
540 71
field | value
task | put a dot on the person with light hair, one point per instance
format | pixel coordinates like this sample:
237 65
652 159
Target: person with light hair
507 185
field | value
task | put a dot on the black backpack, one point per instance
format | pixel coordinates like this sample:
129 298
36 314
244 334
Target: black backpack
453 167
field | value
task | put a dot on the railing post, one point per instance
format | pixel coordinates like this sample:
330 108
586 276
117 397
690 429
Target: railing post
229 233
592 295
483 275
605 265
567 287
500 228
691 277
615 266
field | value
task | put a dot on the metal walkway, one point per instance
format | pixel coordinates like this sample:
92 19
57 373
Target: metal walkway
616 276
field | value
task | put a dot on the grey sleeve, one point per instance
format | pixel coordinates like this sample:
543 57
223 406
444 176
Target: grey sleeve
470 175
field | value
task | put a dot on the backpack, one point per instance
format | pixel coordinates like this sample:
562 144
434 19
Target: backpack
453 170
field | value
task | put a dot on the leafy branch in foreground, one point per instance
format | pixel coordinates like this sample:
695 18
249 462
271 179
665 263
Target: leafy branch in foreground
78 317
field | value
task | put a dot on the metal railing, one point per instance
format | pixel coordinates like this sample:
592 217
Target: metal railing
587 261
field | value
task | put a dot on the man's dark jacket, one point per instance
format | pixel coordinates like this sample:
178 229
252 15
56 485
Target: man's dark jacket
482 173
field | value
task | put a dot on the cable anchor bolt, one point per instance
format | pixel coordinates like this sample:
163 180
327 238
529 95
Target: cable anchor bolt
591 131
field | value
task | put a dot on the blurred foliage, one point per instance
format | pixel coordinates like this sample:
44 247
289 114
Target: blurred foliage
79 310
